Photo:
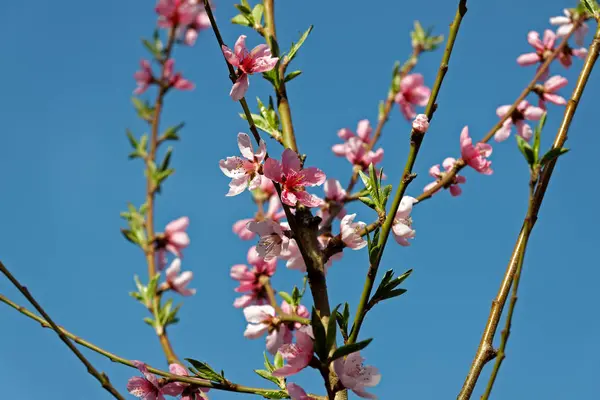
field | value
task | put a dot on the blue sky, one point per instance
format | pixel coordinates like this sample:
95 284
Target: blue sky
65 104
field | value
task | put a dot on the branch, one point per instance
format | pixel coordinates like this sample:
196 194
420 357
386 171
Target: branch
100 376
407 176
485 352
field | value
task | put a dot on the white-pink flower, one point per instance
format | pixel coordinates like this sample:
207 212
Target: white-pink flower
297 355
333 193
355 376
294 179
273 213
148 387
544 48
355 146
548 91
294 257
199 23
175 80
244 172
174 240
413 92
174 13
524 111
248 63
178 282
475 156
260 321
402 225
435 172
351 232
143 77
188 392
298 310
566 24
296 392
272 239
249 279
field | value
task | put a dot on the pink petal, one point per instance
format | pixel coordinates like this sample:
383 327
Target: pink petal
237 186
240 47
180 224
345 133
434 171
364 130
448 163
504 132
288 197
554 83
528 59
502 110
240 229
533 113
455 190
239 88
296 392
245 146
309 200
534 39
264 64
549 39
290 162
554 98
524 130
411 81
313 176
230 56
272 170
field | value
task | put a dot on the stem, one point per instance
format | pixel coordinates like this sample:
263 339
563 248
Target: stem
460 164
100 376
283 105
485 352
407 175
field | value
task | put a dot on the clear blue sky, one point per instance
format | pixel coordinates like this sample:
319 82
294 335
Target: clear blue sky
65 103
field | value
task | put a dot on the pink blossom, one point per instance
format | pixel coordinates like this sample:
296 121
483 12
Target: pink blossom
272 239
421 123
524 111
298 310
412 93
175 80
355 376
334 193
178 282
188 391
260 321
548 91
294 257
294 179
435 172
199 23
355 146
244 173
174 240
475 156
351 232
174 13
143 77
296 392
148 387
297 355
402 225
273 213
565 26
250 279
544 49
248 63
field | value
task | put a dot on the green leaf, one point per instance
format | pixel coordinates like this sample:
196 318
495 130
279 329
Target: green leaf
387 190
398 280
319 334
267 375
365 179
172 132
257 13
151 47
374 253
526 150
349 349
296 46
552 154
292 75
244 9
281 394
278 361
374 183
268 365
203 370
342 320
368 202
241 20
167 159
286 296
591 6
331 330
296 296
381 111
272 76
144 110
392 293
131 138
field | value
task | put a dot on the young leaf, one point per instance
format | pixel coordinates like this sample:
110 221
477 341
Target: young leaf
243 8
257 13
552 154
241 20
331 329
286 296
296 46
267 375
292 75
132 140
203 370
349 349
319 334
368 202
526 150
268 365
278 361
591 6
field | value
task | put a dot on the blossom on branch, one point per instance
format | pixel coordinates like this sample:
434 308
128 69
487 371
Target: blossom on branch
250 279
355 146
178 282
174 13
174 240
244 172
436 172
148 387
351 232
356 376
334 193
273 213
413 92
421 123
260 321
547 91
175 80
248 63
524 111
475 156
296 392
188 392
544 48
143 77
272 239
294 179
297 355
566 24
402 225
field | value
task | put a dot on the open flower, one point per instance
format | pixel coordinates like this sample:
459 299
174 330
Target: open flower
294 179
174 240
296 392
334 193
297 355
272 239
435 172
294 257
173 13
273 213
547 91
298 310
260 321
244 172
412 93
148 387
567 23
350 232
175 80
178 282
143 77
248 63
402 225
475 156
355 376
199 23
250 279
188 391
544 49
524 111
355 146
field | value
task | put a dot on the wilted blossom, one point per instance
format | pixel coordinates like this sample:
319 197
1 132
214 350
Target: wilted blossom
175 80
188 391
475 156
272 239
437 173
296 392
355 146
565 26
178 282
547 91
148 387
249 279
351 232
356 376
143 77
174 239
294 179
402 225
544 48
248 63
244 172
260 321
297 355
273 213
524 111
173 13
334 193
412 93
